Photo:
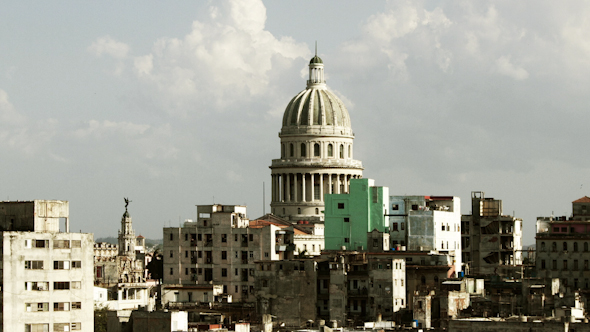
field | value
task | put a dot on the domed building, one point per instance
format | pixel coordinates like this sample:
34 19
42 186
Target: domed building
316 151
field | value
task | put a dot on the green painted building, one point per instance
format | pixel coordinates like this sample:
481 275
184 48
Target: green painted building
349 217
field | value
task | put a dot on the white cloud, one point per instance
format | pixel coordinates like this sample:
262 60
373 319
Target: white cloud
8 115
505 67
227 60
108 46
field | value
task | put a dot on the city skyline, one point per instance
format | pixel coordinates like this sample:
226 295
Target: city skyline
179 106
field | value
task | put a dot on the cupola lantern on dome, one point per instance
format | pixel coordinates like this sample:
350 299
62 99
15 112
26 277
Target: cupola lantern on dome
316 151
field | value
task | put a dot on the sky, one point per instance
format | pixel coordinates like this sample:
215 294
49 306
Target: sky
181 105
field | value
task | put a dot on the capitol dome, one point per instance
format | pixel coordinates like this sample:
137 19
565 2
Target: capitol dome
316 107
316 151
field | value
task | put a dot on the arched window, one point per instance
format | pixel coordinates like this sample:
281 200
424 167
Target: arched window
341 151
282 150
576 246
330 150
298 210
349 151
565 246
303 152
543 246
291 150
553 246
317 211
316 150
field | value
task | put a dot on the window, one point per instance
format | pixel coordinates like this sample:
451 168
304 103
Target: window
443 227
37 286
585 264
316 150
330 150
251 237
346 240
76 244
543 246
565 264
341 151
346 219
251 254
224 272
171 237
61 327
282 150
61 285
34 307
76 326
40 243
61 306
542 264
61 265
414 207
395 207
394 227
291 150
266 255
171 254
223 238
554 246
34 265
575 246
585 246
171 271
340 206
565 246
76 305
224 255
186 271
36 327
61 244
303 150
186 254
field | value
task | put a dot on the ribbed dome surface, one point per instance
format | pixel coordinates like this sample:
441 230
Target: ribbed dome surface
316 107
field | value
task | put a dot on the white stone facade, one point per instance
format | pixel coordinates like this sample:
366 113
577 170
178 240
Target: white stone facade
316 151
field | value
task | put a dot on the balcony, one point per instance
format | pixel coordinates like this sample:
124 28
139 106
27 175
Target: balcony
285 247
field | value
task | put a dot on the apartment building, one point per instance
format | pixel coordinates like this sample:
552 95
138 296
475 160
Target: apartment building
220 247
46 274
491 240
563 246
349 217
427 223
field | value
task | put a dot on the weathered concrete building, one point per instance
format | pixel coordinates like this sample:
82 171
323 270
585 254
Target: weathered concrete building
491 241
427 223
351 216
339 287
562 246
287 290
316 151
46 274
307 237
221 248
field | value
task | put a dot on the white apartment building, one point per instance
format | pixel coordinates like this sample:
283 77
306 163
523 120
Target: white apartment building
427 223
221 248
46 275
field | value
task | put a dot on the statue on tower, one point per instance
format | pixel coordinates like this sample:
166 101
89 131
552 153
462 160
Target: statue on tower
127 201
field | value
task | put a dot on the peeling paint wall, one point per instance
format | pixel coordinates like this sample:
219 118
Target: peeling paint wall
51 268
